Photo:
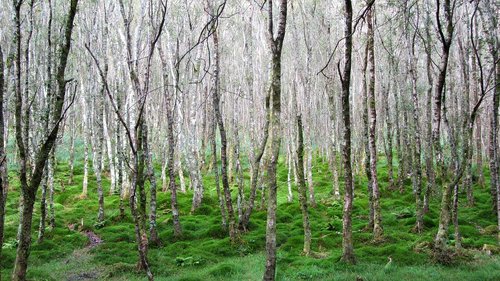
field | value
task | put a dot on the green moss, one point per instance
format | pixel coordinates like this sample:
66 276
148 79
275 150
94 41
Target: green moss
224 270
206 244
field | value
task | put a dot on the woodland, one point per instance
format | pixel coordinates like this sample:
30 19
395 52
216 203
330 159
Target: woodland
249 140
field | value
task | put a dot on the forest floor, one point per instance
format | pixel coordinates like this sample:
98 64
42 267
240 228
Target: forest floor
205 253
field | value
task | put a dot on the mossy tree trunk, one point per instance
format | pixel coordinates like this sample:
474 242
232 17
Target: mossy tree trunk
276 46
446 40
30 186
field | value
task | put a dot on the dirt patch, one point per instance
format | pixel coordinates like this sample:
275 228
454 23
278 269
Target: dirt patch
94 240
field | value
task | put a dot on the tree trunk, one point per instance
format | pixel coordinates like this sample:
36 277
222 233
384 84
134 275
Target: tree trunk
302 189
29 189
417 149
233 232
171 145
366 141
345 77
444 218
110 150
429 159
275 45
86 128
289 173
3 159
153 232
97 146
72 136
119 163
377 215
50 182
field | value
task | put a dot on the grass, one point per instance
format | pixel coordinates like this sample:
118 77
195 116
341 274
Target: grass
204 252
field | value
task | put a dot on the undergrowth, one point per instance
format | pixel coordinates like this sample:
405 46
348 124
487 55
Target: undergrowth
205 253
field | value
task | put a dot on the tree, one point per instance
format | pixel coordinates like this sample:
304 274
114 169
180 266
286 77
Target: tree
30 186
218 119
377 216
446 41
3 158
274 110
302 188
345 79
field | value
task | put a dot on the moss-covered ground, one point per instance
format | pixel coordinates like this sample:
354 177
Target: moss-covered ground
205 253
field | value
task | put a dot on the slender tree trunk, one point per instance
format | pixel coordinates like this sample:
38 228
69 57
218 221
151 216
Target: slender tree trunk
215 168
29 190
377 215
308 168
72 136
444 218
493 146
3 158
240 181
51 162
255 169
302 189
233 231
192 157
334 163
110 150
478 135
171 145
86 128
119 155
417 149
366 141
153 232
97 147
289 173
43 209
347 243
429 159
275 45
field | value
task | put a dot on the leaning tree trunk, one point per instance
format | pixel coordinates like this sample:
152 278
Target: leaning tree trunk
29 187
